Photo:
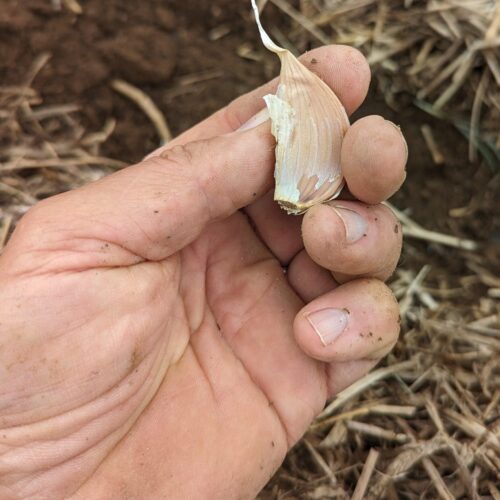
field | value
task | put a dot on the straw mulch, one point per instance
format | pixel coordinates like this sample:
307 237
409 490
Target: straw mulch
444 53
43 150
425 424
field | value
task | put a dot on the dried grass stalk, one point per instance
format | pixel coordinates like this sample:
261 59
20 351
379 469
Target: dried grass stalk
443 51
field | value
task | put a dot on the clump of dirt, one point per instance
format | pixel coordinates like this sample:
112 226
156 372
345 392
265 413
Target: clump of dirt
138 63
140 42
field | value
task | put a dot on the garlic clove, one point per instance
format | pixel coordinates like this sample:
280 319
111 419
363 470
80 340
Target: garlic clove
309 123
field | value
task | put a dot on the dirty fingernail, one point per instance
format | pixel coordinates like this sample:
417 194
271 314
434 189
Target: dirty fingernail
355 225
256 120
328 323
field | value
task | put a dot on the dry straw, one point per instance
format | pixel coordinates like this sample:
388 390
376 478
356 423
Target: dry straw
445 53
425 423
44 150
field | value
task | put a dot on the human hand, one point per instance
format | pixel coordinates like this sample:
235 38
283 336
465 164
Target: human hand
151 345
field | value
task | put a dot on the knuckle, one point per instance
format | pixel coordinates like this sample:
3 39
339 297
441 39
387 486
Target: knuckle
179 156
196 167
186 160
192 162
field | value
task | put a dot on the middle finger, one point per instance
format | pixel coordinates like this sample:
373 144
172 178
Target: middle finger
344 240
352 239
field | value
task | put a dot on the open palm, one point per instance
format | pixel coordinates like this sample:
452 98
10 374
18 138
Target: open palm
152 345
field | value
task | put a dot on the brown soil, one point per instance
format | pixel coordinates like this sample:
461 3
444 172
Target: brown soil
145 43
156 48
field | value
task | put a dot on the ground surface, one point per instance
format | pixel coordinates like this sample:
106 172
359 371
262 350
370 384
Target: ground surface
167 49
159 46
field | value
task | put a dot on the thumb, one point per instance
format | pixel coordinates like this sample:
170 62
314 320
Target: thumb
161 204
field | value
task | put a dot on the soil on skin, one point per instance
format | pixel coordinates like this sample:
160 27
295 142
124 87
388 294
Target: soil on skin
159 45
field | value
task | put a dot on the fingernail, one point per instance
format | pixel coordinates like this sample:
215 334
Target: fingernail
355 225
398 128
328 323
256 120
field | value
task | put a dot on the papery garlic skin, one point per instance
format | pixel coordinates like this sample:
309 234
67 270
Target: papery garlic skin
309 123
